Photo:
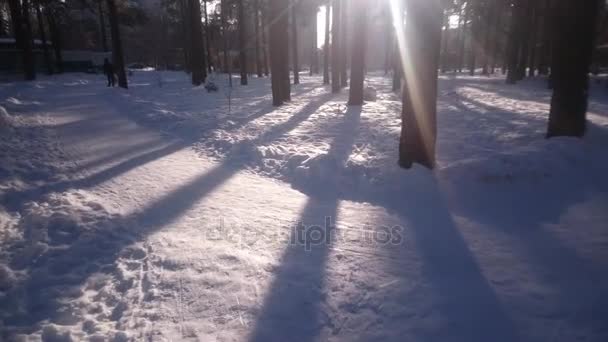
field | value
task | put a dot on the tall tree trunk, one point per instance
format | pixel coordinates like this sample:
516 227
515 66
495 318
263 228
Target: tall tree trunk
197 49
335 47
344 19
256 18
55 37
513 46
294 44
326 47
314 53
474 41
47 54
102 26
242 42
117 56
210 63
487 53
533 39
279 51
574 24
498 34
264 44
419 122
357 72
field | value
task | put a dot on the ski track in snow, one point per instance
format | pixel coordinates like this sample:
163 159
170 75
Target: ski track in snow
159 214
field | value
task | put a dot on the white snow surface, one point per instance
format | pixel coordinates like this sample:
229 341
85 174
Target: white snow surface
166 213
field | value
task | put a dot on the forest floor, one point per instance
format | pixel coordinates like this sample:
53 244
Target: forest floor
166 213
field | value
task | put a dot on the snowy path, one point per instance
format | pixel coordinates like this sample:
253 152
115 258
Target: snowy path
152 241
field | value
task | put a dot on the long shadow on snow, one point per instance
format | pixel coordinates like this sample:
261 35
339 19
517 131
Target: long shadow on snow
56 275
292 307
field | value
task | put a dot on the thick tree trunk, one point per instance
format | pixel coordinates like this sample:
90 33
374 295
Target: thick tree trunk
419 123
242 42
326 47
357 71
23 36
574 24
197 49
335 47
117 56
294 44
513 46
279 51
45 48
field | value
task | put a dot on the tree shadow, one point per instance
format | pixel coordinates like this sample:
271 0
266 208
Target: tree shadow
292 307
55 275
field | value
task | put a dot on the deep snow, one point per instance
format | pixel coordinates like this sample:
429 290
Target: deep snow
164 213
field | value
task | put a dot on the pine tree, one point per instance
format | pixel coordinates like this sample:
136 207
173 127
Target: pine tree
279 51
117 56
419 123
574 24
357 65
197 49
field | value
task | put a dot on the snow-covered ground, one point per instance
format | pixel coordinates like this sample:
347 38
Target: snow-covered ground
166 213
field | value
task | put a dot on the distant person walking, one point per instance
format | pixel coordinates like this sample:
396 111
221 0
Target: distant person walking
108 69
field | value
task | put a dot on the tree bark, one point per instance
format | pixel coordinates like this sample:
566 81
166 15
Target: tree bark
335 47
326 47
279 51
419 123
117 56
23 35
357 72
574 24
197 49
545 53
513 46
294 44
444 43
47 55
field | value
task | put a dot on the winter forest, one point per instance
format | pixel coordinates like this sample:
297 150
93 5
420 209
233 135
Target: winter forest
303 170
